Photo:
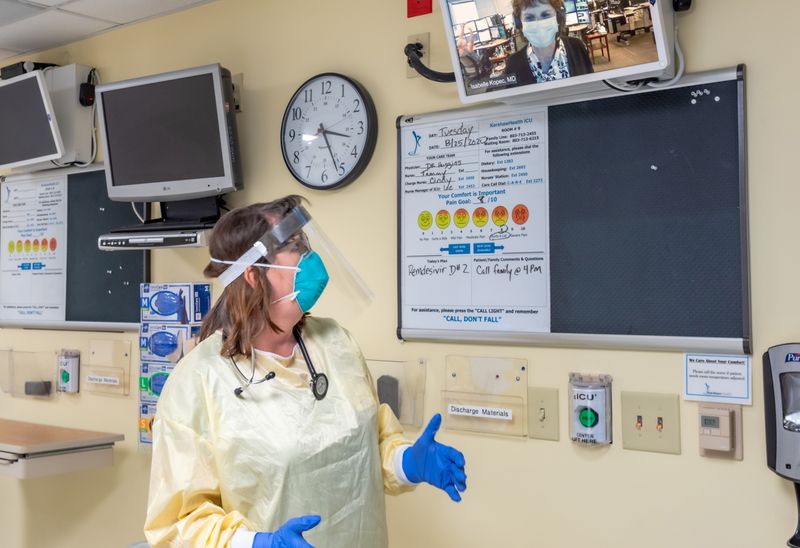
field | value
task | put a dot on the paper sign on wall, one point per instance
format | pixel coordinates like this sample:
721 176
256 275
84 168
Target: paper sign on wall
722 378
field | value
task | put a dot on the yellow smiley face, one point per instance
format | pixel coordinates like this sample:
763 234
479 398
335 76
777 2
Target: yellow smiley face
480 217
461 218
500 216
11 246
19 246
425 220
443 219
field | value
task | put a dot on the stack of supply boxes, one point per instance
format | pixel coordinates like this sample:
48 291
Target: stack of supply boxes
171 315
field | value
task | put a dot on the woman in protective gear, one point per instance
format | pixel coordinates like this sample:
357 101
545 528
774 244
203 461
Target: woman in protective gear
250 446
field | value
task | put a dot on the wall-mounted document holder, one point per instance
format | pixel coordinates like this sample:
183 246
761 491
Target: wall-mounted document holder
401 385
31 374
108 368
486 395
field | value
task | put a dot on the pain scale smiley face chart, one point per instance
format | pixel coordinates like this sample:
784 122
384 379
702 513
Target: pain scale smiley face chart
329 131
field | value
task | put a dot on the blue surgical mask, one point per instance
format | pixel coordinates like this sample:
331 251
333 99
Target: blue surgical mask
540 33
310 280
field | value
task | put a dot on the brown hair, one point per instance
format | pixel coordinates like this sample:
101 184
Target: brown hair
518 5
242 312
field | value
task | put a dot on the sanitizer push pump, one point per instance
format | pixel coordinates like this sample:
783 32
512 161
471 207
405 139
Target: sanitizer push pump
782 402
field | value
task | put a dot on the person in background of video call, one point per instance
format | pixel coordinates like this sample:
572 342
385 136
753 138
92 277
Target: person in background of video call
550 54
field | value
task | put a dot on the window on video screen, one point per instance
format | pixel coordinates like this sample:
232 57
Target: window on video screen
548 40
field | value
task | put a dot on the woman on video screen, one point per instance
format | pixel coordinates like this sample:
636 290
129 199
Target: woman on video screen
550 54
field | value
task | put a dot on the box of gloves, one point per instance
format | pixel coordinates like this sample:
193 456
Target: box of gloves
171 316
184 303
147 412
152 377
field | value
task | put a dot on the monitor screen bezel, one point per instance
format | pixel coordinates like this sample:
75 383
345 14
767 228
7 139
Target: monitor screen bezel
171 190
664 46
55 133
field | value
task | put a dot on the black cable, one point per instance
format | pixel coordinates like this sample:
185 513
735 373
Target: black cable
612 86
414 54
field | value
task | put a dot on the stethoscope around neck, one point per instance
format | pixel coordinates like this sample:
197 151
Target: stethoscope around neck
319 382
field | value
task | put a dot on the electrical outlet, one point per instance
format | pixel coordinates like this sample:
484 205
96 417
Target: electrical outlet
238 82
543 413
651 422
424 39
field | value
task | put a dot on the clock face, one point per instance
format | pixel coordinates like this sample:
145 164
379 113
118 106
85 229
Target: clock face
328 132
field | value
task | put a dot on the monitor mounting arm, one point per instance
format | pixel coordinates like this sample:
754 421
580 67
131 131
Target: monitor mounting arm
414 54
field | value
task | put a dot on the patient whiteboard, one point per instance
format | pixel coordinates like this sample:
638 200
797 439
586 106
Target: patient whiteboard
619 221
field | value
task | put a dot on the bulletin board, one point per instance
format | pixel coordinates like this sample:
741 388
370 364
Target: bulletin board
617 221
52 275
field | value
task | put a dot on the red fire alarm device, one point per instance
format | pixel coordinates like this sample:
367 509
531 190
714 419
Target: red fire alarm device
419 7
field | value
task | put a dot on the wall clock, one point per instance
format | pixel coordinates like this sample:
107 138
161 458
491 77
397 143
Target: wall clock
329 131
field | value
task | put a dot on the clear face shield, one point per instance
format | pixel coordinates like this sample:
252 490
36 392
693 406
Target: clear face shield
320 259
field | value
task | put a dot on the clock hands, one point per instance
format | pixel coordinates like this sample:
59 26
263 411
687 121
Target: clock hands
325 136
329 132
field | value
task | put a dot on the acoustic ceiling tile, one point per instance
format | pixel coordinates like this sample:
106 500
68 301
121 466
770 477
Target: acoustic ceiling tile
127 11
49 29
11 12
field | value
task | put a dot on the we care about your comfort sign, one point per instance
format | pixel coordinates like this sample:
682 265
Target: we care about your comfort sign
718 378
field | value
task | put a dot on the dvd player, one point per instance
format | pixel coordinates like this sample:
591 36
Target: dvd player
118 241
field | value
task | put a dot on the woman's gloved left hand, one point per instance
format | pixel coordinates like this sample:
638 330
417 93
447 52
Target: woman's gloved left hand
440 465
289 535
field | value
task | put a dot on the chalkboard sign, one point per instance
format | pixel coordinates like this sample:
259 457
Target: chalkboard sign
52 274
618 221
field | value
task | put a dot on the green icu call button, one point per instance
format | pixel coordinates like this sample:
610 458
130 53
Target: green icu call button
588 417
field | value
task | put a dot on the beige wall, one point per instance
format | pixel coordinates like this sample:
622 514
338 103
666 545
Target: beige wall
521 492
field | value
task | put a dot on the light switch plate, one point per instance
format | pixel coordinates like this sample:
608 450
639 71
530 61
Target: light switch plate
645 409
543 413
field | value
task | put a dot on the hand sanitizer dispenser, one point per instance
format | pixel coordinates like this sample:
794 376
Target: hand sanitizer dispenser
782 414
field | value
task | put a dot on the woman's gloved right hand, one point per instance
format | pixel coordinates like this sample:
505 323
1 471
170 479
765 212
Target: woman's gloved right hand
290 534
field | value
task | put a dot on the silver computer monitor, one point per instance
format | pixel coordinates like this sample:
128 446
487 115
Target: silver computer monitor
28 128
653 58
170 136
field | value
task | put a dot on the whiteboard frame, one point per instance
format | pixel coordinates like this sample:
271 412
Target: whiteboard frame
590 340
66 324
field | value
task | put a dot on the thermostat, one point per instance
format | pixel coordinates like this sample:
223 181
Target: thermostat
719 430
715 429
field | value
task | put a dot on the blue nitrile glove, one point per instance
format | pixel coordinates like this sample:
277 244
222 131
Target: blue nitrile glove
430 461
290 534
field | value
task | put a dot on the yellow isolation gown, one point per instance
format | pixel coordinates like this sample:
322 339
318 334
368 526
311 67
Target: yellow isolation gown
221 462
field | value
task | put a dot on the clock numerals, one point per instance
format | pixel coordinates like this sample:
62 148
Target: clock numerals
326 87
297 113
308 95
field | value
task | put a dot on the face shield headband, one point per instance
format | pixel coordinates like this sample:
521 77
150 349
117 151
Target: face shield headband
270 243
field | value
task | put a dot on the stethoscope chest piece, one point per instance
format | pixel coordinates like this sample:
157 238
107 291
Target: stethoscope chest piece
319 386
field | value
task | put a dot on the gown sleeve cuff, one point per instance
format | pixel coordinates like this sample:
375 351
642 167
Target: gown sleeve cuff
398 466
242 538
